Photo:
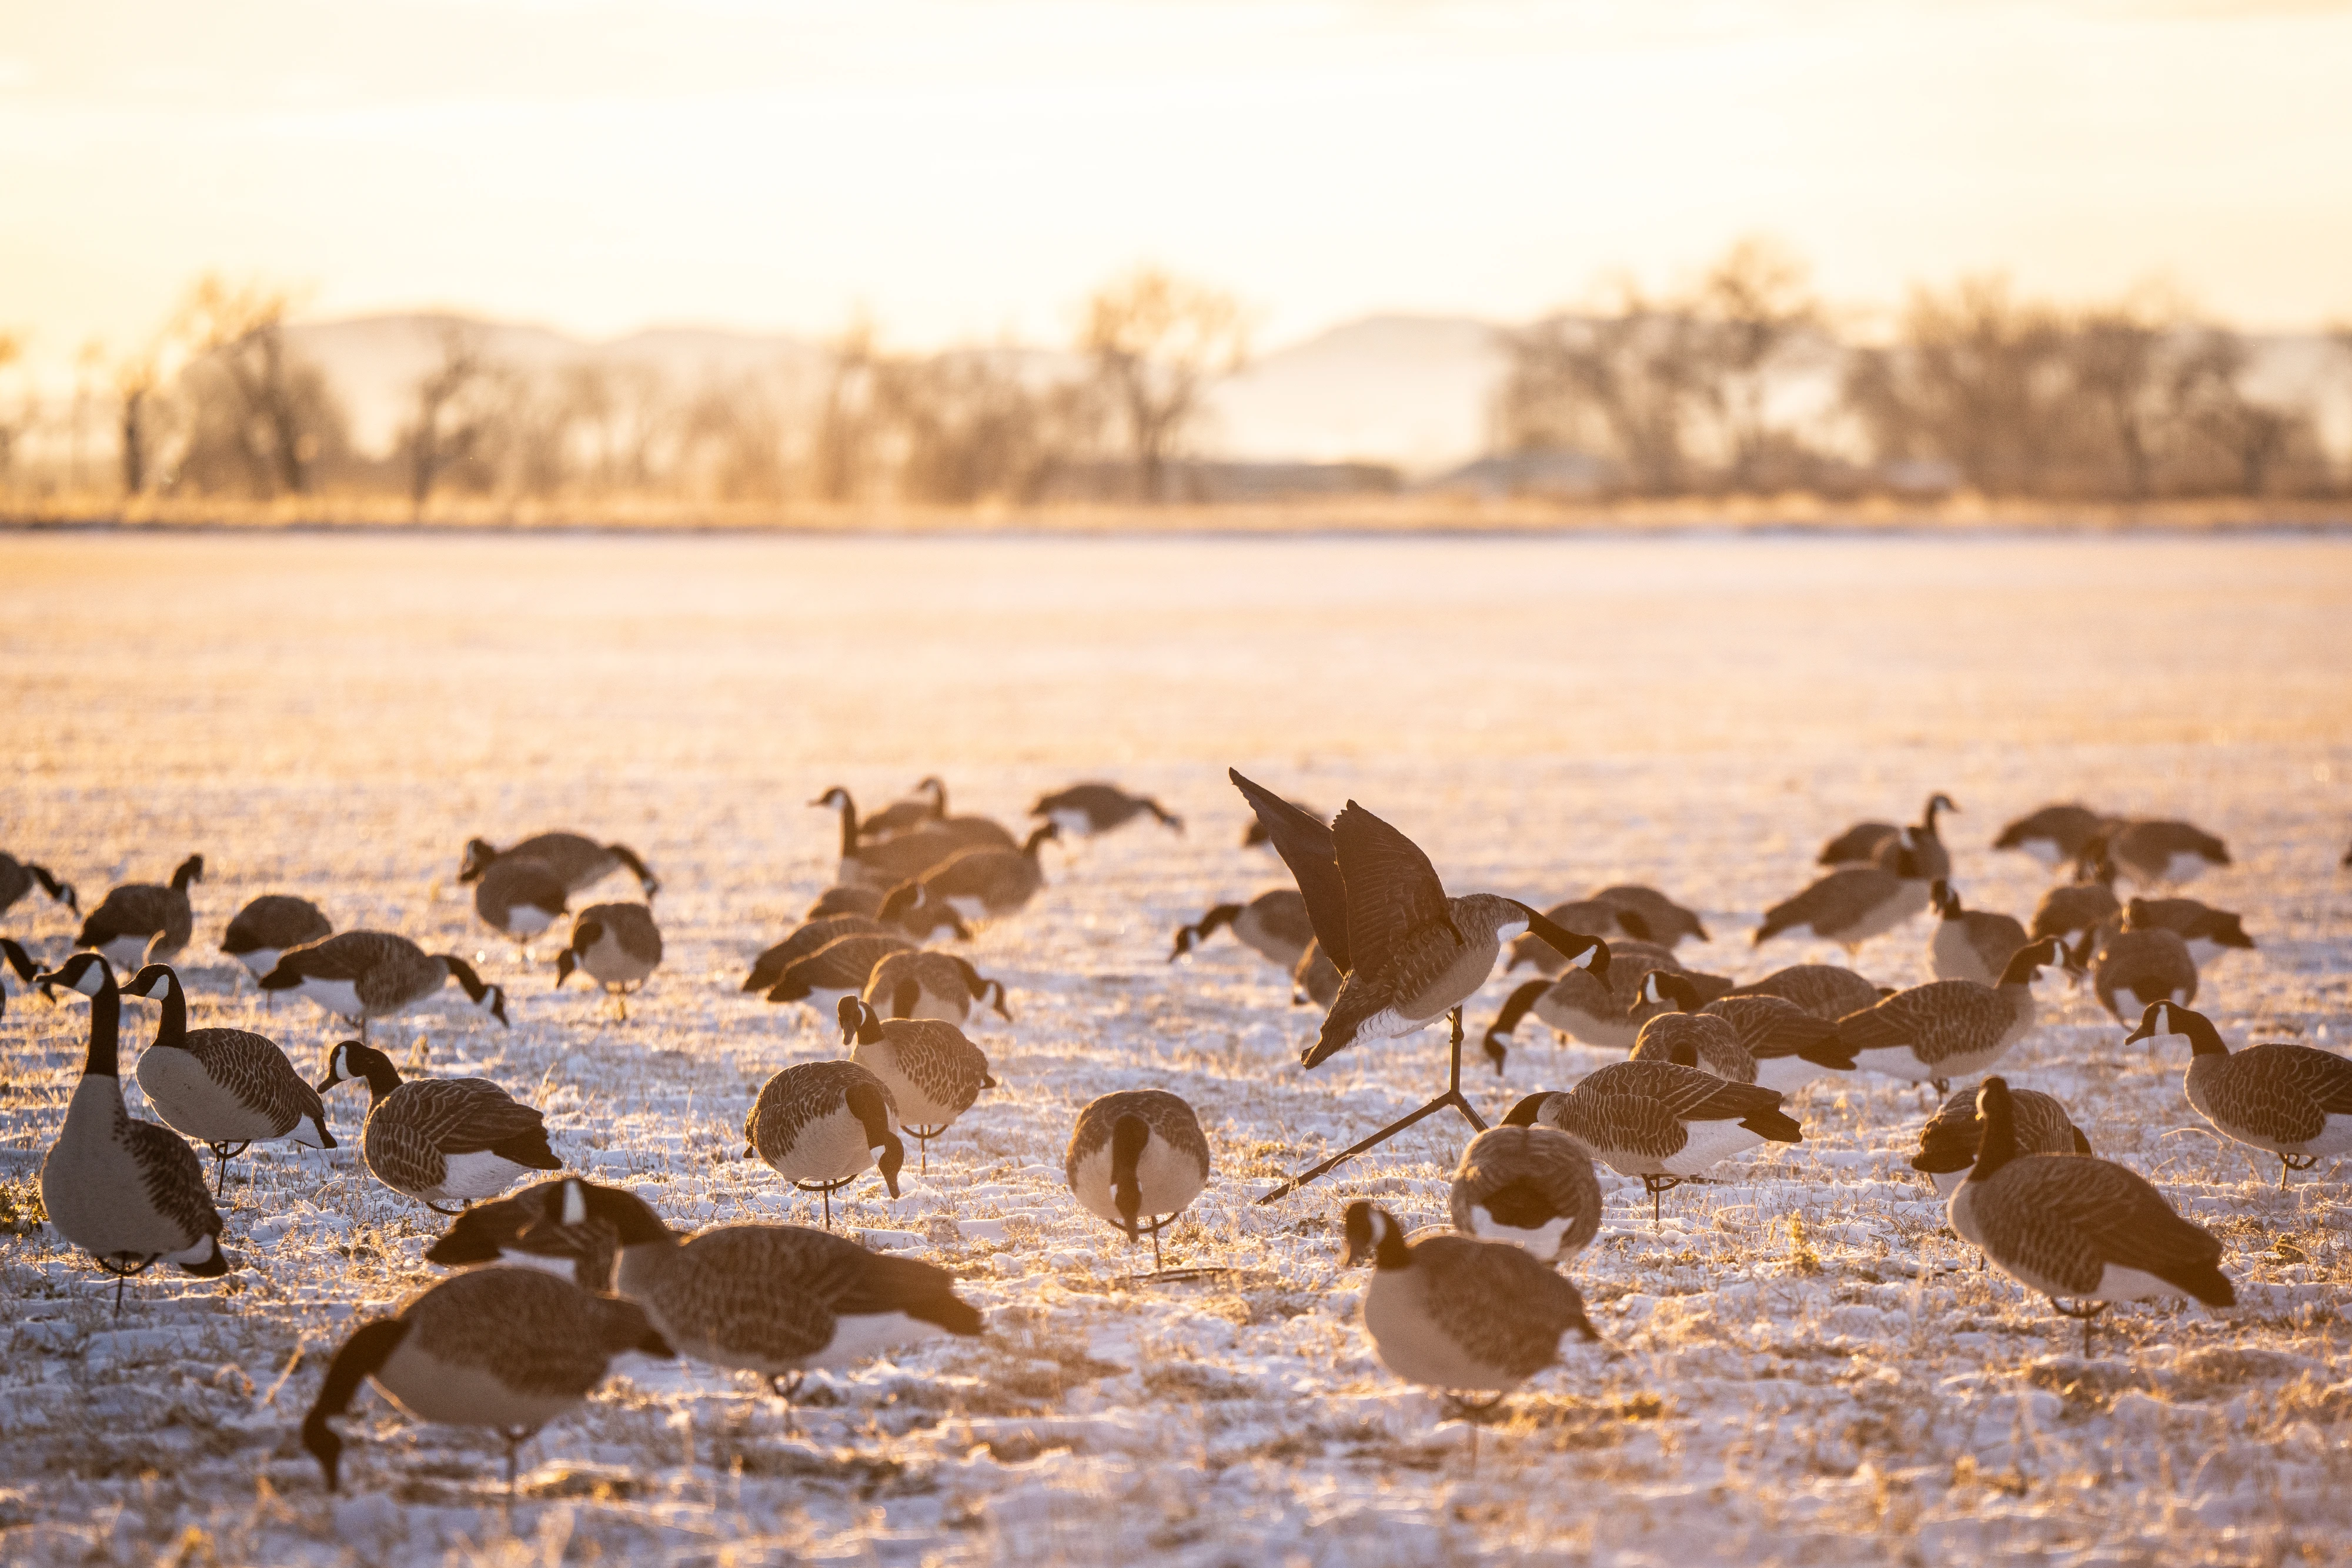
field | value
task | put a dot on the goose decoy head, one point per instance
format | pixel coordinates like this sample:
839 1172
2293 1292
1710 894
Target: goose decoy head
88 972
1529 1110
836 799
2172 1018
18 960
1945 900
1581 952
579 1202
872 1113
1044 830
352 1060
586 933
858 1022
2026 964
491 1000
1665 988
997 1001
1939 801
1373 1236
191 869
936 788
479 853
154 980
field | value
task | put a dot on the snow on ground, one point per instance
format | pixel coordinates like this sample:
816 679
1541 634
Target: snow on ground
1799 1365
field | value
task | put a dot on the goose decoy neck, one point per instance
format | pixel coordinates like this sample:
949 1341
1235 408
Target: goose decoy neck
568 959
1998 1140
1581 952
858 1022
1190 936
363 1355
490 998
63 892
2025 965
997 1002
191 869
1166 819
1946 901
1129 1135
646 878
1663 988
937 787
18 960
93 977
172 1031
1374 1237
1939 801
1528 1111
1039 835
865 1103
2172 1018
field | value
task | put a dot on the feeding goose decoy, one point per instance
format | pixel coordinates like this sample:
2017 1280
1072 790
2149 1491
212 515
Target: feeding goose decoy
919 917
1410 955
128 1193
227 1088
140 923
1531 1186
1868 843
534 1228
820 1124
18 878
1275 924
1137 1159
519 899
1948 1143
926 984
2294 1101
1082 810
2054 835
617 945
1855 902
1669 922
932 1071
270 927
988 883
577 861
1662 1121
509 1349
905 857
440 1139
2074 910
928 805
1790 1046
839 969
1710 1041
361 976
2211 932
2133 968
1608 1013
1970 944
13 951
1949 1029
2077 1226
806 938
1828 991
2162 853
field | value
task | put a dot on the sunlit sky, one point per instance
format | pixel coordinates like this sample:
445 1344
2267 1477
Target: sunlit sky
966 169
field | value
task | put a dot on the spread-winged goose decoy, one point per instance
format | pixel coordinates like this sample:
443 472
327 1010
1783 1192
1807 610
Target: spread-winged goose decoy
1970 944
615 944
227 1088
440 1139
1608 1012
1790 1046
1083 810
1662 1121
270 927
821 1124
509 1349
18 878
932 1071
2211 932
1853 904
1275 924
2133 968
1949 1029
127 1192
2293 1100
1137 1159
2054 835
140 923
926 806
1255 836
2167 852
1828 991
1949 1140
579 862
839 969
928 985
1531 1186
1867 843
544 1225
1411 954
2074 1226
361 975
519 899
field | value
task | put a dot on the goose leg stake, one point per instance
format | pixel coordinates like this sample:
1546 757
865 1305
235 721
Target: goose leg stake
1453 1097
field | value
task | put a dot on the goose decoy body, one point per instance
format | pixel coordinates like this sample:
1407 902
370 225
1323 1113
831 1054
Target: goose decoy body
2211 932
2167 852
2073 910
440 1139
227 1088
1828 991
2077 1226
617 945
839 969
1790 1047
926 805
905 857
1137 1160
1082 810
542 1227
361 975
1710 1041
578 861
1970 944
1869 843
1948 1142
2294 1101
2054 835
820 1124
1661 1121
846 898
918 916
1608 1013
1669 922
509 1349
1531 1186
989 883
1275 924
806 938
1852 904
270 927
928 985
1949 1029
127 1192
18 878
1411 954
932 1071
140 923
519 899
1315 978
2133 968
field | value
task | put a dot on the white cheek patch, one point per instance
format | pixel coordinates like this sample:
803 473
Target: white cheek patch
575 1207
1511 929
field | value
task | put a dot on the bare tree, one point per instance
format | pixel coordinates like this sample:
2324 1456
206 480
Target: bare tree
1977 379
1760 302
12 348
1628 378
454 416
1156 341
841 454
254 406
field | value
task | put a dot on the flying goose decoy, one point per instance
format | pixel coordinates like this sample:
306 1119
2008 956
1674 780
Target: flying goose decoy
1828 991
919 917
1950 1141
926 984
440 1139
509 1349
1870 843
927 806
534 1228
987 883
820 1124
1661 1121
1083 810
18 878
1531 1186
1275 924
227 1088
2077 1226
2152 852
1855 902
2133 968
519 899
2294 1101
1137 1160
1790 1046
1608 1013
577 863
270 927
13 951
1410 955
127 1192
2054 835
905 857
615 944
932 1071
1949 1029
2211 932
1970 944
1704 1039
140 923
361 976
839 969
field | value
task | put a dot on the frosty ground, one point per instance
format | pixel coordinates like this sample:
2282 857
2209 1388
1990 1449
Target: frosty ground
1799 1365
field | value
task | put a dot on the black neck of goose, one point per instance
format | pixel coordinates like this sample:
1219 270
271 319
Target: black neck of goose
171 1032
1129 1135
1038 837
1997 1145
191 869
628 857
1391 1251
105 1029
2204 1039
939 800
1515 1006
848 827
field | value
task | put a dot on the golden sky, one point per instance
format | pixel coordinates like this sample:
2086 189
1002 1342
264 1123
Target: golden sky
968 167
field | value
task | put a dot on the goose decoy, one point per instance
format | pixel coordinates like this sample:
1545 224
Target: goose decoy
2211 932
846 898
1661 1121
926 984
19 960
1275 924
1790 1046
1948 1143
2073 911
18 878
227 1088
918 916
1315 978
140 923
1137 1159
360 975
932 1071
1082 810
1531 1186
1853 904
806 938
617 945
1410 955
2054 835
776 1299
1828 991
1669 922
1255 836
989 883
519 899
926 806
440 1139
2294 1101
905 857
542 1227
1710 1041
819 1124
1607 1013
1867 843
270 927
2133 968
1949 1029
1613 922
839 969
509 1349
2077 1226
2167 852
1970 944
577 863
127 1192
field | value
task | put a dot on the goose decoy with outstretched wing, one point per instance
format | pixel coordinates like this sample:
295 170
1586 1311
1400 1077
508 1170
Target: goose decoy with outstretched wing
1275 924
361 975
1828 991
18 878
140 923
615 944
1853 904
1137 1159
440 1139
2211 932
227 1088
1531 1186
534 1228
928 985
2294 1101
1949 1140
1083 810
821 1124
932 1071
578 861
1867 843
1949 1029
270 927
1970 944
2054 835
1661 1121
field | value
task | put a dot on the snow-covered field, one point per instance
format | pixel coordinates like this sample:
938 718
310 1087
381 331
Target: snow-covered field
1799 1366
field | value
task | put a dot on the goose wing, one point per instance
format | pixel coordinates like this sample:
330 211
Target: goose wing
1691 1093
2068 1215
173 1178
1393 892
764 1292
1309 848
465 1115
252 1068
1502 1307
348 956
1940 1019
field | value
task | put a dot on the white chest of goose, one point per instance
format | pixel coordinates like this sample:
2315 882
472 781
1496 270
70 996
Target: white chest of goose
1531 1186
1136 1160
